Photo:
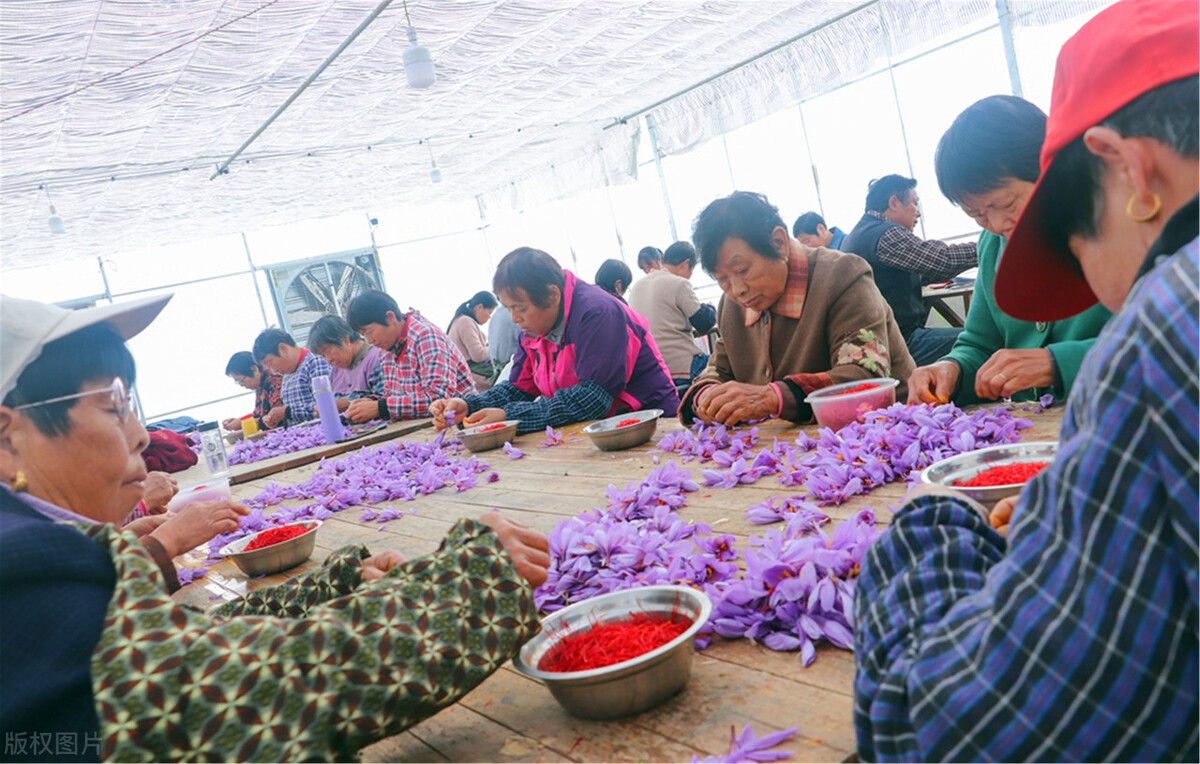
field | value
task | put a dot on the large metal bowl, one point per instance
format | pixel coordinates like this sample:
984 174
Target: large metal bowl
624 688
608 435
968 465
482 439
277 557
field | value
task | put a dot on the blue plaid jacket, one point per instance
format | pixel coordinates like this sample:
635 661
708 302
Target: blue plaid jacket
1076 640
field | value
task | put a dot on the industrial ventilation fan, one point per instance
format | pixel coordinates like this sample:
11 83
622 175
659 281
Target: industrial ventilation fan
305 290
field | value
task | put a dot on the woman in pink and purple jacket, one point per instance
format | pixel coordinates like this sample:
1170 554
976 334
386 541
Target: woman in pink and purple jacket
583 355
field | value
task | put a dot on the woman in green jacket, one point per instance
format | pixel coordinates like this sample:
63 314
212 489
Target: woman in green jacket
987 164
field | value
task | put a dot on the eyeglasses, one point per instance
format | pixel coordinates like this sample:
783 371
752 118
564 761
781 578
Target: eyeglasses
123 403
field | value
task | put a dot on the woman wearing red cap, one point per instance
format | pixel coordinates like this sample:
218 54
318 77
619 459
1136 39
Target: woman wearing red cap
1074 639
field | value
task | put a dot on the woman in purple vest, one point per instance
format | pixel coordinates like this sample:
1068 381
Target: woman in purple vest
583 355
356 370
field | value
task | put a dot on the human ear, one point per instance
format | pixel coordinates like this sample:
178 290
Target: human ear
1127 157
10 439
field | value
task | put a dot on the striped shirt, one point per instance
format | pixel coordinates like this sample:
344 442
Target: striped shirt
297 390
1076 639
935 260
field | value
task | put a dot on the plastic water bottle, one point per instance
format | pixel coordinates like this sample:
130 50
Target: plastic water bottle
331 422
213 447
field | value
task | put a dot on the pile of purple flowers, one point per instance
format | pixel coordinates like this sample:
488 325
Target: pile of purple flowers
637 540
798 588
393 471
285 440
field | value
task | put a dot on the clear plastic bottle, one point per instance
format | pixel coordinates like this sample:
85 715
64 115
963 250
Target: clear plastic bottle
212 445
331 421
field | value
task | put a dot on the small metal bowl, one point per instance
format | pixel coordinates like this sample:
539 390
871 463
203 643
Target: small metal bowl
968 465
632 686
476 439
274 558
607 435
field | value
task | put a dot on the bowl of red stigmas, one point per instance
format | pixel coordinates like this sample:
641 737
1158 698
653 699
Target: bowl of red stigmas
275 549
485 437
988 475
839 405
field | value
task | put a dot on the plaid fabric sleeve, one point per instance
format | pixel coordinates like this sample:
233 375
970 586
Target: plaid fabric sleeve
901 248
499 396
430 368
578 403
1078 640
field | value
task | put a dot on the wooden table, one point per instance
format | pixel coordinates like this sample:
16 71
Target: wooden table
937 298
512 718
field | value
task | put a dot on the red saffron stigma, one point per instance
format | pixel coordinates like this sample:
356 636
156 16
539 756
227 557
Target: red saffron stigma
857 388
627 422
612 643
1006 474
273 536
490 427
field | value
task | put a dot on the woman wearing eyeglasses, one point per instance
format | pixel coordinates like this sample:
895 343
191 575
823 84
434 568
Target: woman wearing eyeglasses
93 651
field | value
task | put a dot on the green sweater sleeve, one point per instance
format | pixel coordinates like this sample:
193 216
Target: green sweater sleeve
982 334
339 576
171 683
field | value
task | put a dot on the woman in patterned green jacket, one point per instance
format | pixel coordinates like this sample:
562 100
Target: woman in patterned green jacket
96 661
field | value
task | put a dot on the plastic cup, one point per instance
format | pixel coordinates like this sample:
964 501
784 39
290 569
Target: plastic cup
249 426
209 490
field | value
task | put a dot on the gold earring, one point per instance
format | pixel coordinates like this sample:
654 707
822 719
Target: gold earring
19 484
1153 213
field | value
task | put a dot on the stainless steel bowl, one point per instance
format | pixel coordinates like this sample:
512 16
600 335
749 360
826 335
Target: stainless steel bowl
274 558
475 439
968 465
607 436
624 688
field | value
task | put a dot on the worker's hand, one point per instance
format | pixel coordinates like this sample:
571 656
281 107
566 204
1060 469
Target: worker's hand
934 383
159 488
375 566
197 524
528 549
1010 371
233 424
733 402
443 406
145 525
485 416
273 417
343 404
1001 513
362 410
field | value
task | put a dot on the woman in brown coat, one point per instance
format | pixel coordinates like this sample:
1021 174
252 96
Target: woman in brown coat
792 320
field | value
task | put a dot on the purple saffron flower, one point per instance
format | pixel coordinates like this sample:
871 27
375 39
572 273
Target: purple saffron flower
746 747
513 452
552 438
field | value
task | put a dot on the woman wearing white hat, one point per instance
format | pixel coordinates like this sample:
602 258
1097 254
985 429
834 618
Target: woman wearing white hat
95 655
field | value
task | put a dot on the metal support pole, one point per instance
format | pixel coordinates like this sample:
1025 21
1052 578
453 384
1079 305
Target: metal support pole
224 168
254 280
662 179
1004 13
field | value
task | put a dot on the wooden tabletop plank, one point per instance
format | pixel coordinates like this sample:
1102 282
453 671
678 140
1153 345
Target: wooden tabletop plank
513 718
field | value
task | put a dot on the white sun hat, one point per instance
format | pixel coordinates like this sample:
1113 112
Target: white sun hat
26 326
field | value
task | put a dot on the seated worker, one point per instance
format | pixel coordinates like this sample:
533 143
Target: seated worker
649 258
503 336
465 332
420 364
274 349
583 355
356 365
673 311
268 402
1074 638
613 276
354 650
792 319
810 230
987 163
902 263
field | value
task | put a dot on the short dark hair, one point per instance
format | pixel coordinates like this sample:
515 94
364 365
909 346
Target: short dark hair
993 140
807 224
330 331
609 272
242 362
741 215
371 307
532 271
881 190
268 341
679 253
1169 114
649 256
93 354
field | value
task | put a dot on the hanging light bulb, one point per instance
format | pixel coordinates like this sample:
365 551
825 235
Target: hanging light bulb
418 63
56 222
435 175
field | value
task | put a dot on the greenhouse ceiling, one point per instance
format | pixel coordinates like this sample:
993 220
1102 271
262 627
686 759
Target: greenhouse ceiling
120 112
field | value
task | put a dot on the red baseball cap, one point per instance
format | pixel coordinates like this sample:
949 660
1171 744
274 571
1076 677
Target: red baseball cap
1126 50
